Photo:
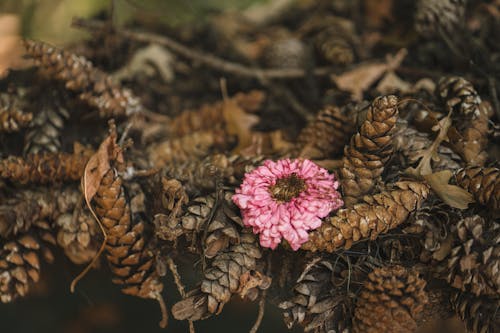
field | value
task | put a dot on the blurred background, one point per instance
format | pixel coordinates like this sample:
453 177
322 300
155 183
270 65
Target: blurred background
98 305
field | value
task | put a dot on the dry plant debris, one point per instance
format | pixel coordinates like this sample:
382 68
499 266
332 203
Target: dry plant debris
412 139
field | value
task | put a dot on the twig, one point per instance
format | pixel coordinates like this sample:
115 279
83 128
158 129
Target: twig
262 301
180 287
205 58
493 92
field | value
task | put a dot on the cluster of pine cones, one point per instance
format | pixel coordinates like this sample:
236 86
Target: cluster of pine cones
417 242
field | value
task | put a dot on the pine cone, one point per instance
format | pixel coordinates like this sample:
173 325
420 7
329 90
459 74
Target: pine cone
322 300
286 52
435 17
28 209
45 168
471 118
77 236
44 134
213 218
211 116
410 143
483 183
222 279
378 214
12 118
480 314
391 301
94 86
131 262
325 135
369 150
193 146
474 263
20 265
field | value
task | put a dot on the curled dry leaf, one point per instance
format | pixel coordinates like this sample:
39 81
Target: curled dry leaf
359 79
452 195
424 166
98 165
239 123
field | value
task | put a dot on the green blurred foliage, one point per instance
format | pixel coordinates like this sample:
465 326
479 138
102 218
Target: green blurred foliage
50 20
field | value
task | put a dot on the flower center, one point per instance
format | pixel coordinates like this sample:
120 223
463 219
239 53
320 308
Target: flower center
287 188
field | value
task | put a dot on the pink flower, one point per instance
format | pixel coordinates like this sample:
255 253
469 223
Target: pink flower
286 199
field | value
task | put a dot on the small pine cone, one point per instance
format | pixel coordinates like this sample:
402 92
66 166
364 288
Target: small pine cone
435 17
474 263
335 45
409 144
77 236
44 135
326 135
12 118
211 116
322 300
369 150
214 218
20 265
197 176
196 145
45 168
286 52
458 94
222 279
391 301
471 118
94 86
131 262
377 215
28 209
482 183
479 314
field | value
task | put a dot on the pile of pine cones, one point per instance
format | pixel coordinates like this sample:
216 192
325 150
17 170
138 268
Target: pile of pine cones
417 241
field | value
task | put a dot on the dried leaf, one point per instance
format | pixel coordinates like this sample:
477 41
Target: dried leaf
391 83
452 195
11 49
363 76
98 165
239 123
431 154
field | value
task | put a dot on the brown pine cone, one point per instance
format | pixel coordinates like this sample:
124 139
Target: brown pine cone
378 214
435 17
196 145
223 278
482 183
44 134
391 301
131 262
479 314
326 135
12 118
20 265
45 168
213 218
369 150
323 295
94 86
474 262
211 116
77 236
29 208
471 118
409 144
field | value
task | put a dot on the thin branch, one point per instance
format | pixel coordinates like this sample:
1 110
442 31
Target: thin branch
260 315
205 58
180 287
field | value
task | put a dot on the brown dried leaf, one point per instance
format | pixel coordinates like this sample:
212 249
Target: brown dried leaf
11 50
239 123
452 195
431 154
252 279
98 165
363 76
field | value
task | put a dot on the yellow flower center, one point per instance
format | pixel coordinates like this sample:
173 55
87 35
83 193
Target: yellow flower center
287 188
